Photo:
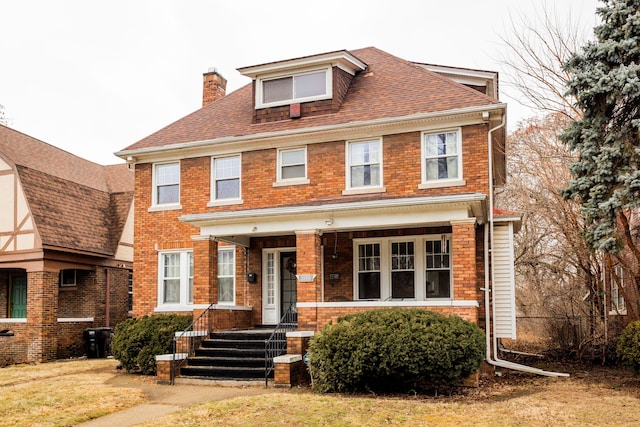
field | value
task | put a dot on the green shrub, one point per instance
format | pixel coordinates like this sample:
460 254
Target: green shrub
628 347
395 350
136 342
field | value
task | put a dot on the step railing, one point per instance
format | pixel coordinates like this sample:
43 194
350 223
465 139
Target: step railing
276 344
186 342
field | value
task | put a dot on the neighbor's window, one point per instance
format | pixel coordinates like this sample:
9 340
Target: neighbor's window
438 267
175 278
369 271
618 305
295 88
130 282
442 160
292 164
226 275
226 178
68 277
166 184
365 164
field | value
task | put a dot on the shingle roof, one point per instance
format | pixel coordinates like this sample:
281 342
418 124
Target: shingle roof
76 204
389 87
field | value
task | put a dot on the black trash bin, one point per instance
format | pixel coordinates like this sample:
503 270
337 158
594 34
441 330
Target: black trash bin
97 341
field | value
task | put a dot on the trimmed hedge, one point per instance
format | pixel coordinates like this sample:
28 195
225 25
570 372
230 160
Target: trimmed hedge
136 342
391 350
628 347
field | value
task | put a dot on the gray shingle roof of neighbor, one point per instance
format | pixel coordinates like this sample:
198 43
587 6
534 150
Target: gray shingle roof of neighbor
389 87
76 204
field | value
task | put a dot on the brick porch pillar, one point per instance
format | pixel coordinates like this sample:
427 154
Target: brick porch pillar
42 315
465 268
205 272
309 262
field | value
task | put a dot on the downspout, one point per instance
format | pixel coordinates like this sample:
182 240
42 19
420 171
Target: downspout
107 298
488 251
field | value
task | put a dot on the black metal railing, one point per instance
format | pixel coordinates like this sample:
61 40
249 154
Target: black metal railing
277 342
186 342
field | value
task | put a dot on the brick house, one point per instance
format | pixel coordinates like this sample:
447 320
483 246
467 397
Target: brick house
66 248
332 183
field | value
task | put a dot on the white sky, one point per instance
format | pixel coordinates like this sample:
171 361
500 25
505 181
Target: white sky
93 77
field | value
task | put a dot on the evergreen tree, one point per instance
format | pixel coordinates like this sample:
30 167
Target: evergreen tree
606 85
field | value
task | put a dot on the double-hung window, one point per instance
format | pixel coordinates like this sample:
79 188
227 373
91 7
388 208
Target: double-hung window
442 160
364 164
300 87
226 275
226 178
618 305
399 268
175 278
292 166
369 270
166 184
438 267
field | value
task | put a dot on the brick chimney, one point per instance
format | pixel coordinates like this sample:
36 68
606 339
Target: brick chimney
214 86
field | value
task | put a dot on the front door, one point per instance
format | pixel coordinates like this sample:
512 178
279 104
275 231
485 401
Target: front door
288 281
18 297
279 287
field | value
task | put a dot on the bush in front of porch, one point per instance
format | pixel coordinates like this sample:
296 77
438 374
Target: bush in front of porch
136 342
394 350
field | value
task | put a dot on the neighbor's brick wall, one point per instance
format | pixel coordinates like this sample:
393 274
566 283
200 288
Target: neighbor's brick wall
80 300
15 349
71 342
42 315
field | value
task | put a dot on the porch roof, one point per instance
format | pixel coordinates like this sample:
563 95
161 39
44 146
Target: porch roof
239 226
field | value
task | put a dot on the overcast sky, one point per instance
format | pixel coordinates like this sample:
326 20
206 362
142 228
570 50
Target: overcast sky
93 77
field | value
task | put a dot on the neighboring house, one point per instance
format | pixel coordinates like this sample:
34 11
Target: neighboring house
66 248
332 183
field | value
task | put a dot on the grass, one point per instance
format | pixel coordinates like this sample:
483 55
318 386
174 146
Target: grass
536 402
61 393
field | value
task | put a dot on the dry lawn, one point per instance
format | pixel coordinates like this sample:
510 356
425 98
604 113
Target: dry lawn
598 397
61 393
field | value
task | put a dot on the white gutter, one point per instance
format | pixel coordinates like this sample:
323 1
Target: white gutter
488 230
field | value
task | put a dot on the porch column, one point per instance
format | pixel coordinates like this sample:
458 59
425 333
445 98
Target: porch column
309 268
205 272
465 265
42 315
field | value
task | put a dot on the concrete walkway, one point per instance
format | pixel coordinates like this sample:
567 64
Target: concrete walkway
165 399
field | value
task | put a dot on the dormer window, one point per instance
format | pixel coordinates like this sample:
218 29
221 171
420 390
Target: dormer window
301 87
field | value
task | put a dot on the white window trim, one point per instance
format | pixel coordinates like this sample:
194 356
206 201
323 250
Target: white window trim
327 95
369 188
291 181
439 183
419 244
183 304
155 207
224 202
231 249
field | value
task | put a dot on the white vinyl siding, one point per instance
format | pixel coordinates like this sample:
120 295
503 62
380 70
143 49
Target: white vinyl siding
504 301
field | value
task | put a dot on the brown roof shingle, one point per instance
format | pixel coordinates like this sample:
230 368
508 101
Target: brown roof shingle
389 87
76 204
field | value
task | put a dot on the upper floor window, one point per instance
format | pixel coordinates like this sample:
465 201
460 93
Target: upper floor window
175 278
292 165
300 87
364 168
226 178
166 183
442 160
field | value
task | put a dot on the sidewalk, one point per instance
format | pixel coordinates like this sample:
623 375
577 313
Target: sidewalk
165 399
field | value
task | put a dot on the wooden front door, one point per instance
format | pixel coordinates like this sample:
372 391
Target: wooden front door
18 297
